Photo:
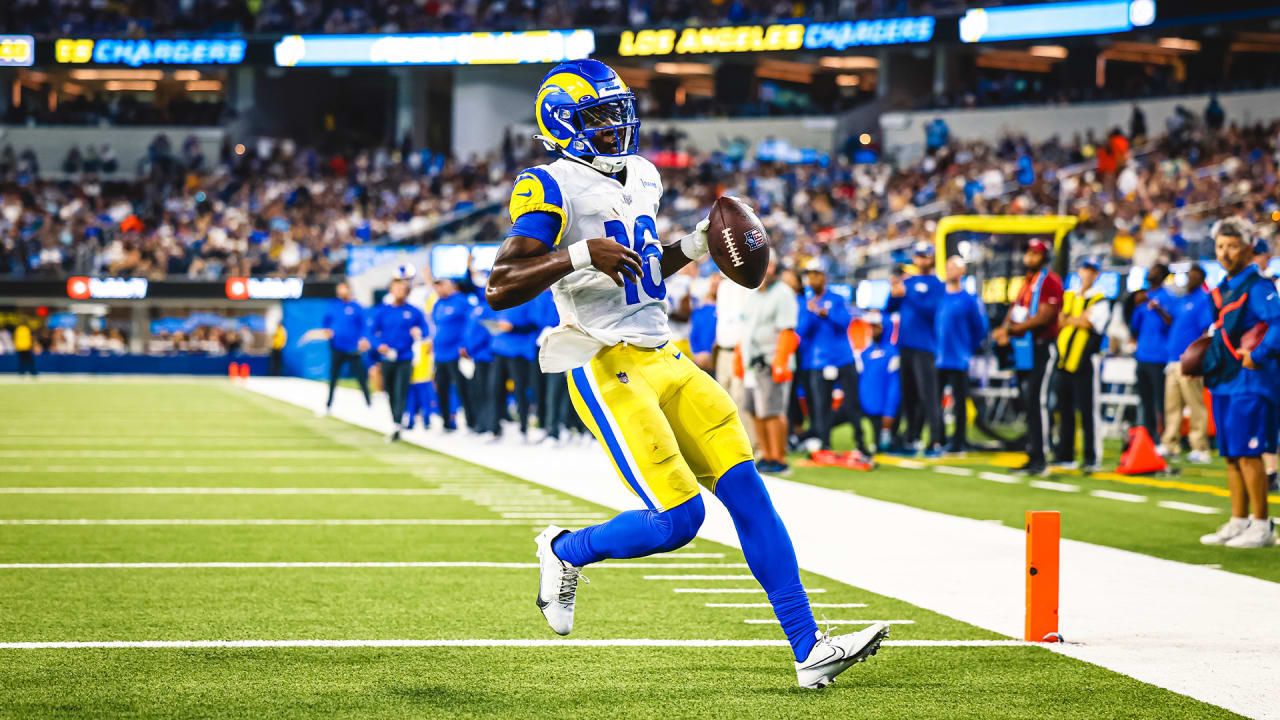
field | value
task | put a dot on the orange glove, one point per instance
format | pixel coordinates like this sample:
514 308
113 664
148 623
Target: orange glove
738 371
788 341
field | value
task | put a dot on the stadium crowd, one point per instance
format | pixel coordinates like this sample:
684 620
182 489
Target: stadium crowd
361 16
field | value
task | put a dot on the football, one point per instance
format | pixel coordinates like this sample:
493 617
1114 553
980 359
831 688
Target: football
737 241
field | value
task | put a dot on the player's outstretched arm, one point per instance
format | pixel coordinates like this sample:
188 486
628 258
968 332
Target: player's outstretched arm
525 267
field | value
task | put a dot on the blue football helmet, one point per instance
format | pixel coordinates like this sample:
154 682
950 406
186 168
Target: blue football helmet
588 114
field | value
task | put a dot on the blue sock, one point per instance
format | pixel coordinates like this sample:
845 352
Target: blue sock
769 553
634 533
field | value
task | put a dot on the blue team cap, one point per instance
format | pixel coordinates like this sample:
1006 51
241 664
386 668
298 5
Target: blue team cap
1091 263
925 248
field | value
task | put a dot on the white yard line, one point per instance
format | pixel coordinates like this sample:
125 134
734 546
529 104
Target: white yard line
50 453
218 491
560 515
338 564
837 621
700 577
957 471
202 469
1121 496
1000 477
1189 507
1122 610
1056 486
532 643
765 605
736 591
910 464
259 521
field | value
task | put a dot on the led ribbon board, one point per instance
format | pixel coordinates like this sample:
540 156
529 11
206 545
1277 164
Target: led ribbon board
780 37
1058 19
479 48
17 50
144 51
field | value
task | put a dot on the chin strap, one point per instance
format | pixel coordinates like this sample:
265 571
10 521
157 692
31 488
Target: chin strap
550 144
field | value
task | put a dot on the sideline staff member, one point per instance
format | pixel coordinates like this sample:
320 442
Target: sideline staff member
344 323
1245 385
395 328
1031 327
916 302
1084 322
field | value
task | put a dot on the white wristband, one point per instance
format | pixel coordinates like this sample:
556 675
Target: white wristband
580 255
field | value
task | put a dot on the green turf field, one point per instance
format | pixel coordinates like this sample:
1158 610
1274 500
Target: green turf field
173 472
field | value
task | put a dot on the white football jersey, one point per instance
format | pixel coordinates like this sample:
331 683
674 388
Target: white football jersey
593 205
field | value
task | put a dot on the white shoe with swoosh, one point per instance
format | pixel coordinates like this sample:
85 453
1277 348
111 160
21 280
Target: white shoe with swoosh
833 655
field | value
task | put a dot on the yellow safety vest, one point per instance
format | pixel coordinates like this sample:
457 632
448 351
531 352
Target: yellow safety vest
22 338
1074 341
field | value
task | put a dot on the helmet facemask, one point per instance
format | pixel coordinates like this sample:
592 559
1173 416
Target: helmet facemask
606 133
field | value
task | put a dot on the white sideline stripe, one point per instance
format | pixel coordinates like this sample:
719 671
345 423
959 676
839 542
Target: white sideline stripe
203 469
691 556
505 509
258 521
910 464
1121 496
999 477
948 470
45 453
216 491
774 621
765 605
1051 485
541 643
1188 507
432 564
700 577
741 591
551 514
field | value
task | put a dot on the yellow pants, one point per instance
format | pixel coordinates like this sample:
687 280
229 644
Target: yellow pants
665 423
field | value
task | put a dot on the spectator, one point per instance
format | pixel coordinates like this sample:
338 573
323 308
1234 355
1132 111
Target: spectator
702 327
768 343
1030 328
916 301
513 328
960 326
1214 115
1083 324
1245 385
1150 326
824 326
24 345
1192 315
477 347
395 328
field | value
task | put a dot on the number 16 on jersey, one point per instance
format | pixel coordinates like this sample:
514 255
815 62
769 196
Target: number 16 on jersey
650 256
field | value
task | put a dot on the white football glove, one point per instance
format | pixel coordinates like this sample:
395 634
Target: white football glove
694 245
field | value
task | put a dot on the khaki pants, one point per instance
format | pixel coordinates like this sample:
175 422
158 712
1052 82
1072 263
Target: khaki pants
1183 391
733 385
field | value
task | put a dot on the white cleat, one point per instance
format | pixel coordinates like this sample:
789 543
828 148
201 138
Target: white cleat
1229 530
322 412
1259 534
833 655
557 583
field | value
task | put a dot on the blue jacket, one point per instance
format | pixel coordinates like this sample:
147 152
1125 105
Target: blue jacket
1192 316
827 337
879 389
391 325
960 326
1263 306
1149 328
475 337
702 329
450 318
916 311
347 321
517 341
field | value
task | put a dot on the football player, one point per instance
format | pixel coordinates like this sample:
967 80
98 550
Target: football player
584 226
